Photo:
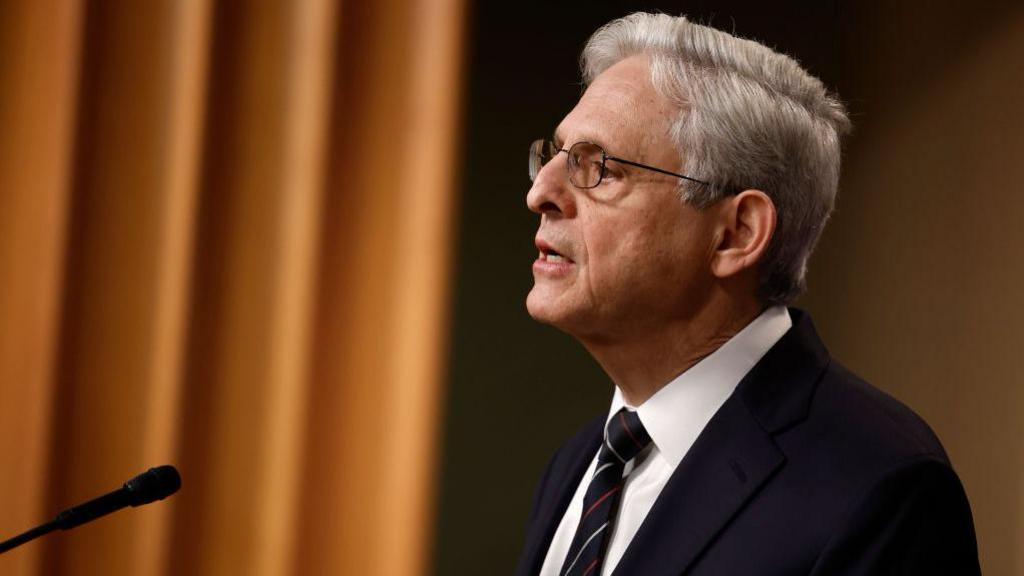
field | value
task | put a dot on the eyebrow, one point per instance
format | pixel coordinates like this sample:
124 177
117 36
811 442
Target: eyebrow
586 137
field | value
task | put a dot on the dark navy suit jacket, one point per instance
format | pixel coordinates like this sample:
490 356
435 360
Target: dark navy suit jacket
806 469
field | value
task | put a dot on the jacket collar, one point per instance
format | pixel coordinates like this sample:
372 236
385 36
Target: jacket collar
733 458
779 388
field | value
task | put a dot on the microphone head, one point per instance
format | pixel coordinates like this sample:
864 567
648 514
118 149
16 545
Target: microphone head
152 485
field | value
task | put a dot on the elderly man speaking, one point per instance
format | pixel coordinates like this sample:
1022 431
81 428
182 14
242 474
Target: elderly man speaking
679 202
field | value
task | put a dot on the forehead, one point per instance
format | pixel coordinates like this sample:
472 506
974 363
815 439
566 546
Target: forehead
622 112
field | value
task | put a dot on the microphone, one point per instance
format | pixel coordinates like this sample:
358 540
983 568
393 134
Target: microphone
152 485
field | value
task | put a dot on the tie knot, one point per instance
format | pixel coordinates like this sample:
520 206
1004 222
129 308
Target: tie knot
625 436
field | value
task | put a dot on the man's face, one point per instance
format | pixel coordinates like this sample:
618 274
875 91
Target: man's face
635 257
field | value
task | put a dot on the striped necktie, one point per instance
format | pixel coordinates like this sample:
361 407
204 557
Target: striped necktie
624 438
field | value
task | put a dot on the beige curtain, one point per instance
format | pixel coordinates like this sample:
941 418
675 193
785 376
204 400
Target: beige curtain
225 234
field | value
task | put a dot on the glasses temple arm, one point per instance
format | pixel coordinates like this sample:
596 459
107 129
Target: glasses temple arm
646 167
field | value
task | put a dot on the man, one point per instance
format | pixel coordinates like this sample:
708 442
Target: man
679 202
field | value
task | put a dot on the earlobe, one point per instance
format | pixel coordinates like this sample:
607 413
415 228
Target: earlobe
747 223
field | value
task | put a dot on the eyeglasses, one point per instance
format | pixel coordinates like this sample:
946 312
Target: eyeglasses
586 165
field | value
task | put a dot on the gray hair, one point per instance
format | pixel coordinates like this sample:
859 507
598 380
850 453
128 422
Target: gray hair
749 118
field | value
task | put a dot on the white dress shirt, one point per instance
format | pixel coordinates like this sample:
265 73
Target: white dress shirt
673 417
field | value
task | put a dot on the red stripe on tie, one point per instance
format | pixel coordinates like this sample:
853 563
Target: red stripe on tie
601 499
622 417
591 567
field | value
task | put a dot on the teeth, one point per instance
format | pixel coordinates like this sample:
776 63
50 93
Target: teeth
551 257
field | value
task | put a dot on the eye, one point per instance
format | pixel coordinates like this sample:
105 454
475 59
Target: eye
612 171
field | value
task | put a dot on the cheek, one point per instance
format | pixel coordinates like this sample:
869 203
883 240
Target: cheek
648 256
606 255
622 256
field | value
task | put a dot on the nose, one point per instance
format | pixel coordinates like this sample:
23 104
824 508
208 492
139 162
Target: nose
551 193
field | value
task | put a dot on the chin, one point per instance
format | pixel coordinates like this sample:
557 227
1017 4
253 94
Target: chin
538 307
553 311
545 308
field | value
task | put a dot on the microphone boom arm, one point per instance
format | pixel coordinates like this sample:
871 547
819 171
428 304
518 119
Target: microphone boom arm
154 484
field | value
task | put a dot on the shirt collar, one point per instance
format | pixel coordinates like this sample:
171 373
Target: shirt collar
679 411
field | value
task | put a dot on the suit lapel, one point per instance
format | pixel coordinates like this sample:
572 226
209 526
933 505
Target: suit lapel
566 478
729 462
733 457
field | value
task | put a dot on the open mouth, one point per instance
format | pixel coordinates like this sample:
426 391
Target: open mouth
550 255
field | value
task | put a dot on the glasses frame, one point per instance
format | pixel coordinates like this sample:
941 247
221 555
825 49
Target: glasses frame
538 146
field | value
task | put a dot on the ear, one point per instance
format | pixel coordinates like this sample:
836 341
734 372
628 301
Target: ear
746 224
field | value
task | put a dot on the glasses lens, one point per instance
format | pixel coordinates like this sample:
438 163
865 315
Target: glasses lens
541 152
586 161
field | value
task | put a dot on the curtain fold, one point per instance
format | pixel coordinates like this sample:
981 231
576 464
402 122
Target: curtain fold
39 67
227 249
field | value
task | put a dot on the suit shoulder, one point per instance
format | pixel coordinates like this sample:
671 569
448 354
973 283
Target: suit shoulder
867 427
854 441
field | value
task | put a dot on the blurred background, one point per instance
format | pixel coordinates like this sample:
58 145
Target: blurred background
283 245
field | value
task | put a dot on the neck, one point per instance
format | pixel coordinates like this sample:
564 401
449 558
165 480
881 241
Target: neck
642 363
